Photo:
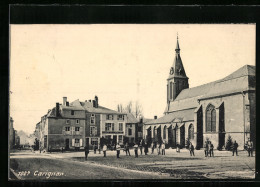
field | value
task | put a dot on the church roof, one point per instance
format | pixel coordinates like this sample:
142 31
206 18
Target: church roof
235 82
183 115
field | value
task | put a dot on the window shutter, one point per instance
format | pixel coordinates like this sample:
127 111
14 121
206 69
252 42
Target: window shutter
80 142
73 142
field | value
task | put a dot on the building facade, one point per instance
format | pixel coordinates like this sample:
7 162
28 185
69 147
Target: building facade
212 111
72 126
131 132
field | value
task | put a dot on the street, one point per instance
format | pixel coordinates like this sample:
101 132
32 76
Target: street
72 165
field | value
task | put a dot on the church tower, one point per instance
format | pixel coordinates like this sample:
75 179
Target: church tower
177 80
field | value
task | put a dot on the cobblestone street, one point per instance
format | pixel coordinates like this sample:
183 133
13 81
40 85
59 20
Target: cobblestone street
171 166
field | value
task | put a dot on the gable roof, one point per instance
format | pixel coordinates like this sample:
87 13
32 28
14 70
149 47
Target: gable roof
131 119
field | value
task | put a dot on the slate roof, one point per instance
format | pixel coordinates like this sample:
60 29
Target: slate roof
131 119
183 115
238 81
88 106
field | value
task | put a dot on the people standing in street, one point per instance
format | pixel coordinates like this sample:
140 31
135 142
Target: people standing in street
127 149
95 149
163 148
152 147
211 148
105 150
141 147
99 149
235 145
136 150
191 147
158 148
145 148
206 148
118 150
250 147
86 152
178 148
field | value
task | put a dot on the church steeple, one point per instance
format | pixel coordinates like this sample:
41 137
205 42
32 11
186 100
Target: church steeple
177 80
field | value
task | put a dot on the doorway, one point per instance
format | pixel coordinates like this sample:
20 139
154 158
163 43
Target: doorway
67 144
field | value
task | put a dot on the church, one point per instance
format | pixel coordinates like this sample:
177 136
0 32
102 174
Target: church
212 111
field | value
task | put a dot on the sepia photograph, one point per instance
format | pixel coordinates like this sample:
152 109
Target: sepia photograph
132 101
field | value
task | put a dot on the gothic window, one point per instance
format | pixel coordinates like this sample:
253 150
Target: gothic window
191 132
164 132
211 119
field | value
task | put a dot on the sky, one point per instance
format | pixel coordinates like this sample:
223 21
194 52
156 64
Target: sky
117 62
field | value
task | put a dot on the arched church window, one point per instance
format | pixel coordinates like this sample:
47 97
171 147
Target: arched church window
164 132
191 132
210 119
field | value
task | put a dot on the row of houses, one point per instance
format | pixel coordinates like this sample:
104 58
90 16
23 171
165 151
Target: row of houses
72 125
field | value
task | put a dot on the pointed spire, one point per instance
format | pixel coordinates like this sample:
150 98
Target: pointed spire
177 45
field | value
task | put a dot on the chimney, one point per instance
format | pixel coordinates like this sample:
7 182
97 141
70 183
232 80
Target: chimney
57 109
155 117
96 99
64 101
67 103
94 103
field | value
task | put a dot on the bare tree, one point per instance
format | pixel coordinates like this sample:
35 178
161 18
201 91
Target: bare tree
138 110
120 108
129 107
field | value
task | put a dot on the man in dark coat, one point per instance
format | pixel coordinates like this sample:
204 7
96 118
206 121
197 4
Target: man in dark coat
235 145
191 147
127 149
145 148
86 152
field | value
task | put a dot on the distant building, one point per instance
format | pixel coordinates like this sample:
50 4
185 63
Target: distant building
131 132
11 133
211 111
76 124
17 139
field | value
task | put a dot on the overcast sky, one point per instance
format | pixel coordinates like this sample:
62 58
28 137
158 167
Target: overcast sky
118 63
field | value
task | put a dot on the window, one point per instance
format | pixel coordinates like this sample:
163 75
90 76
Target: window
92 119
130 125
93 131
94 141
72 112
191 132
67 121
110 117
164 132
109 127
67 128
130 132
210 119
120 117
76 140
77 121
120 126
77 128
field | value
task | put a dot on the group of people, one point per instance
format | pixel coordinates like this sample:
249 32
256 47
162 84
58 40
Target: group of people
160 147
208 149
